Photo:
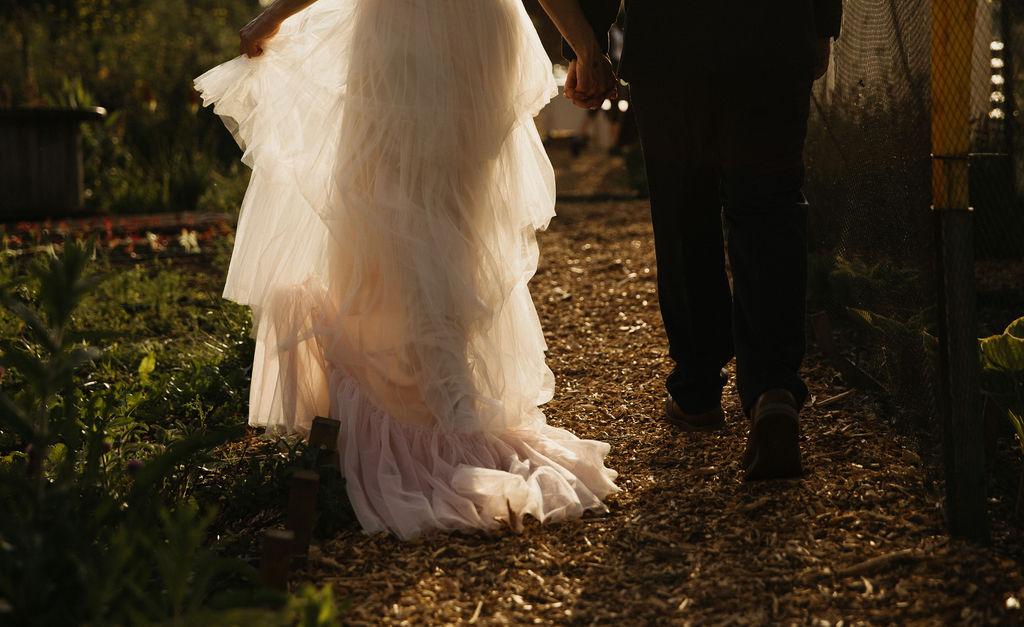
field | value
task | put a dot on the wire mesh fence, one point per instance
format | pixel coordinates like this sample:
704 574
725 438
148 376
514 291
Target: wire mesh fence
872 260
915 178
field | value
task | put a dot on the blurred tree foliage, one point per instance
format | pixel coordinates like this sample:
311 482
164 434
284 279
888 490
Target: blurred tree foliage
158 149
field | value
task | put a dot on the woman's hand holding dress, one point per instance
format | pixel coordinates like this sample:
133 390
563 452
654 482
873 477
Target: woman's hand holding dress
266 25
255 33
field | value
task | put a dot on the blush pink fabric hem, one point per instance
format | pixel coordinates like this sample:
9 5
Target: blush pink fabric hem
413 480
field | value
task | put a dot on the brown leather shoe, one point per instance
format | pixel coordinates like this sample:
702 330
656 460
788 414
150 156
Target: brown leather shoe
710 420
773 446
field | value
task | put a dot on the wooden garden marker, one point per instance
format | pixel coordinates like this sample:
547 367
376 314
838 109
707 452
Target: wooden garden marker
277 557
329 460
324 433
301 507
323 436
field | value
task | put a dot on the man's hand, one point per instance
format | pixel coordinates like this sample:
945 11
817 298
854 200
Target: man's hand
255 33
590 81
824 54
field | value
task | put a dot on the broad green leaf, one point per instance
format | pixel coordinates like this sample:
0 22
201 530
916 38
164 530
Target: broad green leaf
1005 352
863 314
58 453
888 327
147 366
930 342
1016 328
1018 426
315 607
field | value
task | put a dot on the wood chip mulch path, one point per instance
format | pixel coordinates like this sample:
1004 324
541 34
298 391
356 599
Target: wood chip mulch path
859 540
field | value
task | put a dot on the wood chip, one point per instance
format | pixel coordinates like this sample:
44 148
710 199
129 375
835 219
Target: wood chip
835 399
879 562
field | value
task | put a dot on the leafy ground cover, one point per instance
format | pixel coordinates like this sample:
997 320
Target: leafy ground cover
132 488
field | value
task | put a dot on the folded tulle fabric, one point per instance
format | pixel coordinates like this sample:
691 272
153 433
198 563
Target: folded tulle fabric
385 244
411 479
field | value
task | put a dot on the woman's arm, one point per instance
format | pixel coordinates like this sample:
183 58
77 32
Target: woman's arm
568 16
590 78
266 25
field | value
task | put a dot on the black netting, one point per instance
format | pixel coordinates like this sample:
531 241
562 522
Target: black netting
873 233
916 178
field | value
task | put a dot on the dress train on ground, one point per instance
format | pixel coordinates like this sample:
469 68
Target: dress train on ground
385 244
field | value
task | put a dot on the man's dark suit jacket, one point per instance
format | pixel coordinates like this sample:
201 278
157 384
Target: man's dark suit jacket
698 37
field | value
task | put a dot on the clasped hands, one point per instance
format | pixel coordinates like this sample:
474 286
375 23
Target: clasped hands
590 82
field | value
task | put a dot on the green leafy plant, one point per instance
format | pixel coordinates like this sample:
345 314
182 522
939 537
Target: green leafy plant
315 607
96 528
891 321
48 359
837 281
1002 373
903 360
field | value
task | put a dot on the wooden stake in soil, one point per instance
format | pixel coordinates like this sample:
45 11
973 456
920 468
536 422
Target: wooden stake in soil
276 559
329 461
324 433
301 506
323 436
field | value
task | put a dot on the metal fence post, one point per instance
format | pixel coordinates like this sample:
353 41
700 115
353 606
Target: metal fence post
952 32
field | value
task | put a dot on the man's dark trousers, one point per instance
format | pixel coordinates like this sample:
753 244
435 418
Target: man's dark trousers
722 149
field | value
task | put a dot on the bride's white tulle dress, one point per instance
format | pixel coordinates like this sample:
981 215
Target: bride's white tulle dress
384 245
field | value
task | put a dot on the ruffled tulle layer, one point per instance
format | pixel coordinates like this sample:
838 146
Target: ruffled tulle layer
385 244
411 479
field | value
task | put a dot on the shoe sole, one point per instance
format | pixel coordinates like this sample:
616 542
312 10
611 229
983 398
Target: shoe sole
777 436
685 426
682 425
